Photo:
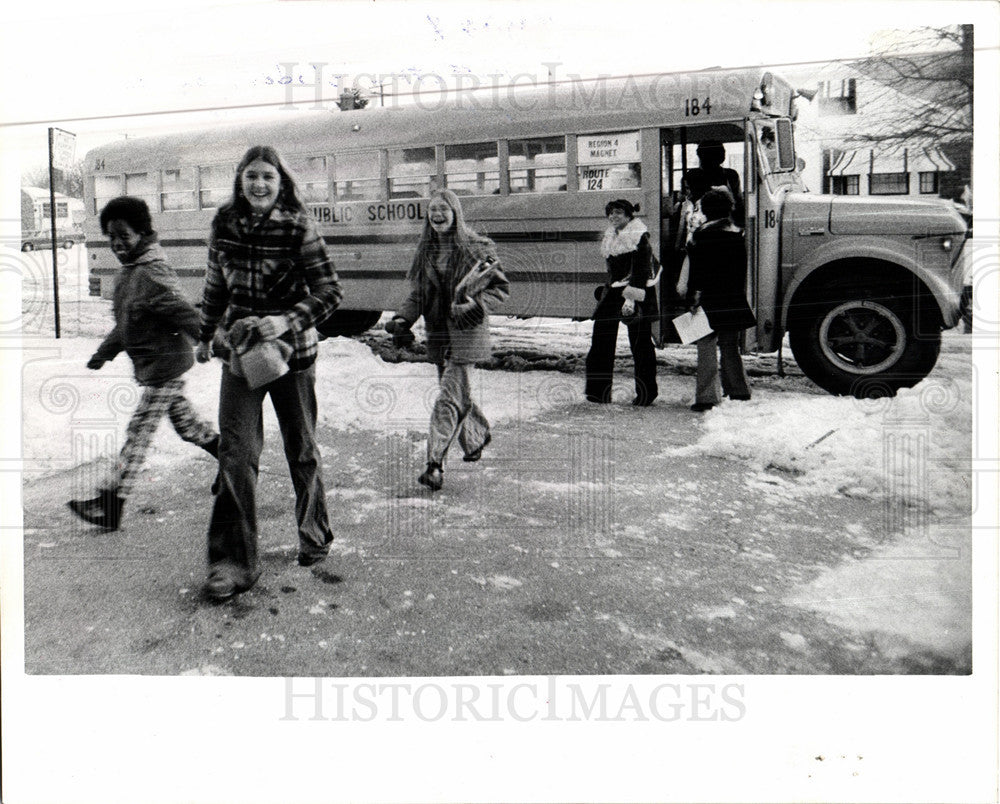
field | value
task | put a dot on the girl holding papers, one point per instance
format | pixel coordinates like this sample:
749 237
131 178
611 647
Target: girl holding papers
717 285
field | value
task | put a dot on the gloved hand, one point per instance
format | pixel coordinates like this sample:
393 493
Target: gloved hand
467 314
203 352
95 362
628 308
244 333
399 328
271 326
694 302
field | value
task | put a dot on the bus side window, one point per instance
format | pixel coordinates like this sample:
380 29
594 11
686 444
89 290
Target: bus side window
216 184
472 169
537 165
411 172
311 172
178 189
357 176
105 188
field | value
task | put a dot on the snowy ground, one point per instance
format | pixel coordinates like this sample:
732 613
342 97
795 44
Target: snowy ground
913 452
827 444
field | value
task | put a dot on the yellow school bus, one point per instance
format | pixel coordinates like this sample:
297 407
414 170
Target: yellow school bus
863 286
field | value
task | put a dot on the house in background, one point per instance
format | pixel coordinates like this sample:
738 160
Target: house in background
69 211
851 103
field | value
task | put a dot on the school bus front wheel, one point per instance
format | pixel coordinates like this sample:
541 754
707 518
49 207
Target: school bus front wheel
862 346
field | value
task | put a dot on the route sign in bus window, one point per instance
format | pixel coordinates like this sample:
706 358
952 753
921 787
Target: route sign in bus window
472 169
357 176
142 185
537 165
106 188
411 172
178 189
311 175
608 161
216 184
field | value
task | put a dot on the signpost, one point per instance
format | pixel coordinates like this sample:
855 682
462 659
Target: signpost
62 148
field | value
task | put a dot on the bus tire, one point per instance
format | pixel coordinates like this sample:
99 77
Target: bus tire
28 247
67 244
863 347
348 323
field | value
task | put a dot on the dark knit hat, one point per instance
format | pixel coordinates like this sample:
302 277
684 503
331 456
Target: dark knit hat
625 206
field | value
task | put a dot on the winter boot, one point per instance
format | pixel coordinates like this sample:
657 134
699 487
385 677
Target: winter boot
104 510
432 477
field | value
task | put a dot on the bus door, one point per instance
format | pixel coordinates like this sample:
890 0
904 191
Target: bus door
750 195
673 164
774 154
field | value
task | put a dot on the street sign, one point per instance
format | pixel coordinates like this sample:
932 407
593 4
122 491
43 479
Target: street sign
63 149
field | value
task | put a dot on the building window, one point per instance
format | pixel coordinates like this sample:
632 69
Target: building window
845 185
537 165
838 97
889 183
929 182
62 209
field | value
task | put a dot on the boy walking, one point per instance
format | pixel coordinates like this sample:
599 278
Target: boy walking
157 327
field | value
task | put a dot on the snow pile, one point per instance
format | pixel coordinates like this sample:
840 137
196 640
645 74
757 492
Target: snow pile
72 415
80 314
915 448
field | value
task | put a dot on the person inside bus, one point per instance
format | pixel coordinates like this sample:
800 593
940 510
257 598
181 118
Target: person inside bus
628 296
269 281
157 327
711 173
455 283
717 285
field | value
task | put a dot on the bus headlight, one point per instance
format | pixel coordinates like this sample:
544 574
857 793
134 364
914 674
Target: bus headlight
946 243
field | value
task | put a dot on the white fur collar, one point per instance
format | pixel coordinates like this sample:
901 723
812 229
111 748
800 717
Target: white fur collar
624 241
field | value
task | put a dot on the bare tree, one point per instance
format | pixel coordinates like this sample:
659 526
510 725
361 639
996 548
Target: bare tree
923 98
936 77
68 182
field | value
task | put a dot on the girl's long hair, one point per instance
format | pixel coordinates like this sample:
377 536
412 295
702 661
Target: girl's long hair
461 238
288 196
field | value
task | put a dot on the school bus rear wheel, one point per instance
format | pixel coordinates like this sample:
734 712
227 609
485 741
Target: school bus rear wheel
348 323
863 347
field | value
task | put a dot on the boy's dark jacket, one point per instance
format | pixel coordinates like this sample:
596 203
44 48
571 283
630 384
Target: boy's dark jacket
154 323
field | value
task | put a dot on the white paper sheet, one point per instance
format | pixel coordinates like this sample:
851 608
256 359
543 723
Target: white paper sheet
692 327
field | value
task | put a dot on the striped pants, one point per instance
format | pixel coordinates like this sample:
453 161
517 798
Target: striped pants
157 400
455 414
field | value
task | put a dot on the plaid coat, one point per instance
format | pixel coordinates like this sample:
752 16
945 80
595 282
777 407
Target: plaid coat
277 267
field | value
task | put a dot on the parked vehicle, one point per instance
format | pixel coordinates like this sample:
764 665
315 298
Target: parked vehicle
66 238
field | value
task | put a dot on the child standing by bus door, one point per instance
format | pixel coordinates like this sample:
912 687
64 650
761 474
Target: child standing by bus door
157 327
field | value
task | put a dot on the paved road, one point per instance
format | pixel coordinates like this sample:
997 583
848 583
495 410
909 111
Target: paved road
567 550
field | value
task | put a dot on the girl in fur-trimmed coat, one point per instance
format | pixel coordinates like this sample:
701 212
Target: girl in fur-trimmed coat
630 295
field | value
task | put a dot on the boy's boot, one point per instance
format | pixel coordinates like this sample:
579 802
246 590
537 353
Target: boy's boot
104 510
